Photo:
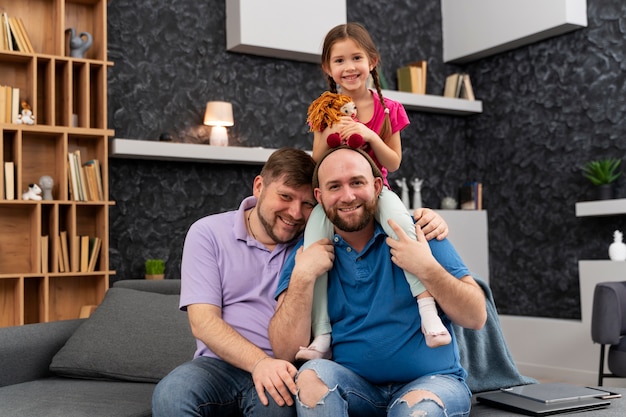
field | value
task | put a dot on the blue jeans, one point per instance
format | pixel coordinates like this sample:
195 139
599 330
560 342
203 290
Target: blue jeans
351 395
211 387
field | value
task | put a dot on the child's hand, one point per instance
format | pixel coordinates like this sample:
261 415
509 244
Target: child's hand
349 127
432 224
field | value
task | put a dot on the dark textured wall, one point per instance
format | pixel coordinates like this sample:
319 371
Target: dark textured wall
548 108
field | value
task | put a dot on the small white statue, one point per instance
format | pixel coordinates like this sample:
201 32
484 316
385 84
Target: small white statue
46 183
417 193
404 192
617 249
33 193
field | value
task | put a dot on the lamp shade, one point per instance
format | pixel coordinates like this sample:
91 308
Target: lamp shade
218 113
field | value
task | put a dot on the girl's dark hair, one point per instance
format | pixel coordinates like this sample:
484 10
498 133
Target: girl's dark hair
362 38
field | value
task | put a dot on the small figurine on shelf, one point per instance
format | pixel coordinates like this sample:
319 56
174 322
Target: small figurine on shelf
404 192
33 193
617 249
78 45
417 193
46 183
26 116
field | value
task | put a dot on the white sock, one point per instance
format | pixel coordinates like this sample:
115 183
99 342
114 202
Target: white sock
321 342
431 322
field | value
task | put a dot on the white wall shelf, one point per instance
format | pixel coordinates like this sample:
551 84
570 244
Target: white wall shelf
298 29
601 207
435 104
188 152
480 28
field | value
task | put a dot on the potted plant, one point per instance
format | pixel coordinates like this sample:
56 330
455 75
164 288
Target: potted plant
603 173
155 269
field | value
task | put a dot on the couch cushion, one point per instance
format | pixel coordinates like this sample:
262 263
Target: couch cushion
66 397
132 336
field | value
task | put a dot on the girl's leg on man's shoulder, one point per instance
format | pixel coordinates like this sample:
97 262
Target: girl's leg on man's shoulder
208 387
327 389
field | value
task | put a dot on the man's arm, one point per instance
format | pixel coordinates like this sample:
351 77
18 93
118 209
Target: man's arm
290 328
462 300
275 376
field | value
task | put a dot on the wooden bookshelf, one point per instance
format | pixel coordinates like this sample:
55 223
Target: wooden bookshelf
69 101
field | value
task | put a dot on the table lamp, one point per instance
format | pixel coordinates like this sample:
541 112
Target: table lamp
218 115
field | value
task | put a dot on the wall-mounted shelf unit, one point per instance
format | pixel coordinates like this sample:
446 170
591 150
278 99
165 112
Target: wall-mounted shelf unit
187 152
68 96
601 207
436 104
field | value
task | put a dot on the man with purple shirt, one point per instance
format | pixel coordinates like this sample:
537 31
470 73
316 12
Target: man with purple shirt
230 269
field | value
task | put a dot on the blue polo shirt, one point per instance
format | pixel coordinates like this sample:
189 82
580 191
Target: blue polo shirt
375 319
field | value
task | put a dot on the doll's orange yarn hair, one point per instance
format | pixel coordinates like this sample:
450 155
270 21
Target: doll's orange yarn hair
326 110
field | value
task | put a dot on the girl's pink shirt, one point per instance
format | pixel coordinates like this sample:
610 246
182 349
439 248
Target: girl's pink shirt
398 118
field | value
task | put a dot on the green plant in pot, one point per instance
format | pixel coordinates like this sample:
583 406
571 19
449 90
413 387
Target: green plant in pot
155 269
603 173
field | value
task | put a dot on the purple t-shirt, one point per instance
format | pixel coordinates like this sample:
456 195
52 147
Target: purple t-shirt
222 265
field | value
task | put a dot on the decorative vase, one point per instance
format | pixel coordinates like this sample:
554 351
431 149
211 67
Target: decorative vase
617 249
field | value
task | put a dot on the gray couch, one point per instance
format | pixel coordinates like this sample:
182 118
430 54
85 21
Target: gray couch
107 365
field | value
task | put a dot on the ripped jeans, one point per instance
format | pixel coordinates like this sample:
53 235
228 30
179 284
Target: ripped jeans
351 395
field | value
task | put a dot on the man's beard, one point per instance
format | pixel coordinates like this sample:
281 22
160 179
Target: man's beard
352 225
269 229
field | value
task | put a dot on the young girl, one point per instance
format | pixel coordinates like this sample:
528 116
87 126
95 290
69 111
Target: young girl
349 57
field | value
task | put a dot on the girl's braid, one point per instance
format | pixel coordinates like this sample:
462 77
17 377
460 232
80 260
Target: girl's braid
385 129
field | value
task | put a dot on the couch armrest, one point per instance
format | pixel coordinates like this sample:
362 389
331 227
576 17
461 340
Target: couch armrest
26 351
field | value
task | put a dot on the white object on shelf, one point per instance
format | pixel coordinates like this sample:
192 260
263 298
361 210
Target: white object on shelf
617 249
435 104
191 152
296 31
479 28
601 207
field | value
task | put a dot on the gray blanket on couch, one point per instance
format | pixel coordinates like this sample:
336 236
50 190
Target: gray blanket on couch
485 354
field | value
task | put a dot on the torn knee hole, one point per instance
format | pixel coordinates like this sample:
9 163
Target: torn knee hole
414 397
311 389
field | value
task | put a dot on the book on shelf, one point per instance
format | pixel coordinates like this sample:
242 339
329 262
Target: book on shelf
28 45
65 254
409 79
7 31
59 260
94 179
15 37
453 84
412 77
75 254
84 253
459 85
9 180
78 182
94 251
471 196
44 253
423 67
467 91
3 103
15 104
